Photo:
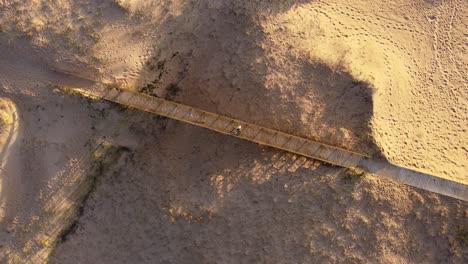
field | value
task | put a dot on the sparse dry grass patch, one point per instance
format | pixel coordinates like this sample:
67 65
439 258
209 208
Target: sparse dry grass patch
6 118
354 174
124 6
462 235
105 158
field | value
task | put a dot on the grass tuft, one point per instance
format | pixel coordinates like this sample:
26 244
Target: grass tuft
354 174
462 235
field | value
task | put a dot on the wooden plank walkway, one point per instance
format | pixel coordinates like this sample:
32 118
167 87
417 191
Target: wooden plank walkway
277 139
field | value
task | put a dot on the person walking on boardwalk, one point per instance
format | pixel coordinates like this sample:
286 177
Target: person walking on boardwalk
238 130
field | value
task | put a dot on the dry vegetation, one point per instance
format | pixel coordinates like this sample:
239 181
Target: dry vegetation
380 77
5 116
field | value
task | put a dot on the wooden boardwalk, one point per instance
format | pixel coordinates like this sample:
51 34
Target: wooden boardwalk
277 139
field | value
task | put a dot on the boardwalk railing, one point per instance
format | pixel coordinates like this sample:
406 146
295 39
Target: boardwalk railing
277 139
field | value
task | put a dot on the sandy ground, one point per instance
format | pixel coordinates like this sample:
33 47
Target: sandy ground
208 198
384 78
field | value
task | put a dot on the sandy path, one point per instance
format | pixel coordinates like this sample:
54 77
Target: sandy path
38 155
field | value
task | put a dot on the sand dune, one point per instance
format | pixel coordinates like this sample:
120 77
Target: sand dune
386 78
